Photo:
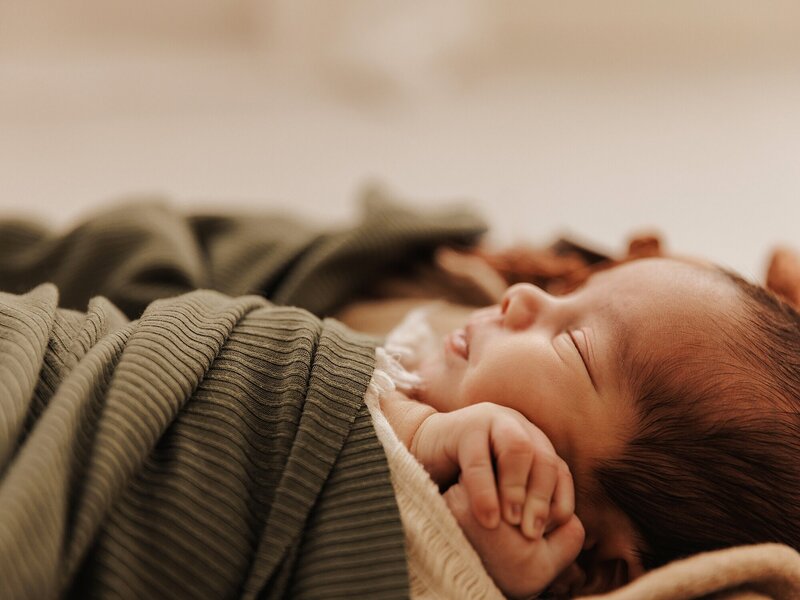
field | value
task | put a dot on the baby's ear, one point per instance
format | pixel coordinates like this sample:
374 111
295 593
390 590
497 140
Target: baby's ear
783 275
588 580
605 576
609 564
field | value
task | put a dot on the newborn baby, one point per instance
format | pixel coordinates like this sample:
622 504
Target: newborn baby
644 417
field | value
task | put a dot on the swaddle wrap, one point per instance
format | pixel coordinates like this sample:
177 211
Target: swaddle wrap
216 447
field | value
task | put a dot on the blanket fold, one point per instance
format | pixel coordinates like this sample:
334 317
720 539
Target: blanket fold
145 250
753 572
217 447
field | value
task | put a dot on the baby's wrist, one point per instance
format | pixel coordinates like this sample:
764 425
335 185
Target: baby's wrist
406 416
429 447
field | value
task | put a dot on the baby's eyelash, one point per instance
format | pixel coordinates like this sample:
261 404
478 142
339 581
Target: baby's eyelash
571 334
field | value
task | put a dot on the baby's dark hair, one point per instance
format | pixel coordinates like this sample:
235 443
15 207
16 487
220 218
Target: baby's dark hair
715 460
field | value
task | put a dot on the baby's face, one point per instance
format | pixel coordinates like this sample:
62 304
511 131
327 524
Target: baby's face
564 362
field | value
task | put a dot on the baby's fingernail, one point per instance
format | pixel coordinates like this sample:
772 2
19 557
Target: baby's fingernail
538 527
515 513
491 518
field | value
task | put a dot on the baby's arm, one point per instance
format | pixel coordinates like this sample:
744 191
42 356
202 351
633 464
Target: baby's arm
405 415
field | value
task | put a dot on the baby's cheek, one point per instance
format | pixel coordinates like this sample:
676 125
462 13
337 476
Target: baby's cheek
483 385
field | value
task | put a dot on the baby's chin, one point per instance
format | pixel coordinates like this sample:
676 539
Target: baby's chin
420 350
436 387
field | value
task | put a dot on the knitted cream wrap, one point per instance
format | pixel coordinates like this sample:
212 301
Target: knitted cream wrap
441 561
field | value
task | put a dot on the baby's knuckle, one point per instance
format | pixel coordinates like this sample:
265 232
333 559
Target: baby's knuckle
540 505
484 501
505 413
517 446
478 475
513 494
560 513
505 429
563 468
486 409
546 460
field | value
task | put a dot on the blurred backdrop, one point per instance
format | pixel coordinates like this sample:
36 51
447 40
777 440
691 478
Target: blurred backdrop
599 119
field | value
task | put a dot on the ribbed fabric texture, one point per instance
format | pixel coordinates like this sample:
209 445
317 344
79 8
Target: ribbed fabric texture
143 251
215 448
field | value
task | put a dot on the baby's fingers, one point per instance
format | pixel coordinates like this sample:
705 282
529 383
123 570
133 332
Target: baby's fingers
563 504
477 475
564 544
541 486
514 454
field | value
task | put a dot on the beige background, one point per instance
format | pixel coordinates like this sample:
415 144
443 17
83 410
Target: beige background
599 118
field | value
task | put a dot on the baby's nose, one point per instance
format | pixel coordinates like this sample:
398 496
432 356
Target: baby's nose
522 305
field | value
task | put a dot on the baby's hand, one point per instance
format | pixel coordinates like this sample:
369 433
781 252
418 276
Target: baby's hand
533 487
520 567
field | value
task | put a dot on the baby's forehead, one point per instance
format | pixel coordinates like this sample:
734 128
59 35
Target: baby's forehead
665 311
668 288
667 271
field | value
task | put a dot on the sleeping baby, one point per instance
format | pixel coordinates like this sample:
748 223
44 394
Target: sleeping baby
580 440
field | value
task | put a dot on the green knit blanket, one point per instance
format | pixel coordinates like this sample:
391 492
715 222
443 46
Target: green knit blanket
218 446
